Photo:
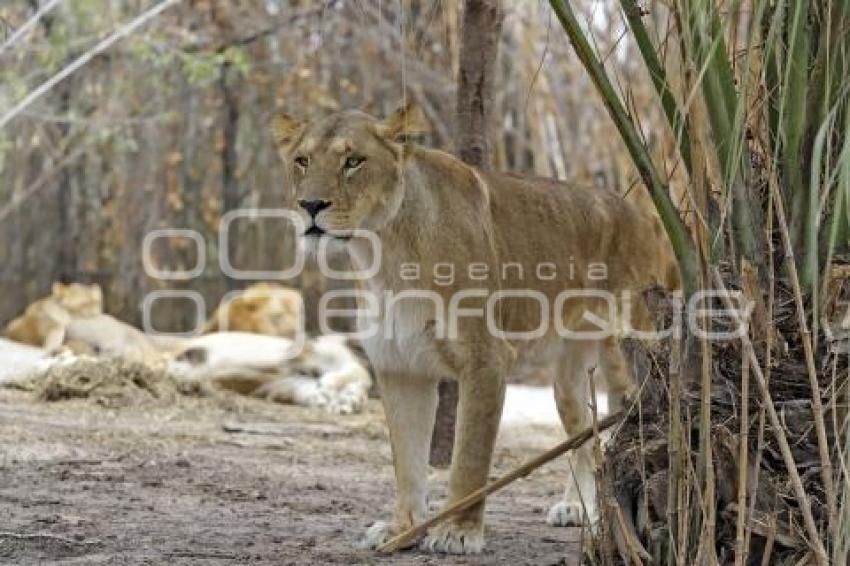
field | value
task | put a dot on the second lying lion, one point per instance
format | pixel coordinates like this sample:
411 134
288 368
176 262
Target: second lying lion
324 373
262 308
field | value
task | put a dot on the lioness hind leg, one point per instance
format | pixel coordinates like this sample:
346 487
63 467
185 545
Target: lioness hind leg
410 406
620 384
578 505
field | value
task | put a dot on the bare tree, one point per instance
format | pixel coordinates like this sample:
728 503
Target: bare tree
482 26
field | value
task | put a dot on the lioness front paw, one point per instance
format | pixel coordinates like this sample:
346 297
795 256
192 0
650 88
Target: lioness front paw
313 397
340 407
346 403
377 534
455 538
380 532
569 514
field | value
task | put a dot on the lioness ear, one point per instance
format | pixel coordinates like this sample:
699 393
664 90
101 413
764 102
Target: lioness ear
408 120
285 130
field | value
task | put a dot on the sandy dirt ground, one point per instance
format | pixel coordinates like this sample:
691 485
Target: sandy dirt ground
228 480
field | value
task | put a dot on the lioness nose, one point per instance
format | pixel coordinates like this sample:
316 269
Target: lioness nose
314 207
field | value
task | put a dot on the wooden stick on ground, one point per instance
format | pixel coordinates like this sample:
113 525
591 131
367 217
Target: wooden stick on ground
478 495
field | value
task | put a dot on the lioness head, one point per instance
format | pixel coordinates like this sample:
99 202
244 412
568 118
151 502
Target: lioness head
78 299
262 308
344 170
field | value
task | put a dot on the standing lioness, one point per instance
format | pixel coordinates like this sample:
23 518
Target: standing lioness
477 272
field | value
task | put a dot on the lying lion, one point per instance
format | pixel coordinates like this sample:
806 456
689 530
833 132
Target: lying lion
106 336
533 261
325 372
44 322
262 308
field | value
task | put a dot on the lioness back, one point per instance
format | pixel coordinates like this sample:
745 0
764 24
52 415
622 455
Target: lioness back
539 221
591 224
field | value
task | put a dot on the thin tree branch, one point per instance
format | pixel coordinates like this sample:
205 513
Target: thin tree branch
83 59
27 26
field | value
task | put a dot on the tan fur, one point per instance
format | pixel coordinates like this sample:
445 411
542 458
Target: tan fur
263 308
43 323
105 335
428 208
326 372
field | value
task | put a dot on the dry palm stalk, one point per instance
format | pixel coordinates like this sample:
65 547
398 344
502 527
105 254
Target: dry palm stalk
644 495
628 540
835 410
806 338
768 356
841 544
769 538
805 509
706 469
707 464
674 446
603 484
743 462
758 321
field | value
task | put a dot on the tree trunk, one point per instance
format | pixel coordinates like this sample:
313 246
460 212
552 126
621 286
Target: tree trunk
231 197
482 25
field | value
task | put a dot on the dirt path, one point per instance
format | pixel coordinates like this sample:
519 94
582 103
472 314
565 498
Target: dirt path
81 484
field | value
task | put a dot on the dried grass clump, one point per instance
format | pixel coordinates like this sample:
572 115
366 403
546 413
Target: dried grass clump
111 382
637 463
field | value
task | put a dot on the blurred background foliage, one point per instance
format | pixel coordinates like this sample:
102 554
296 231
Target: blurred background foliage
168 128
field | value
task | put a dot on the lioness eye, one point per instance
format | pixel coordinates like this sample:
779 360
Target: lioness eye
354 162
302 161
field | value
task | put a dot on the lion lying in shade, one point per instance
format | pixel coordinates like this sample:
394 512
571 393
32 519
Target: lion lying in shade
45 321
324 373
258 360
262 308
